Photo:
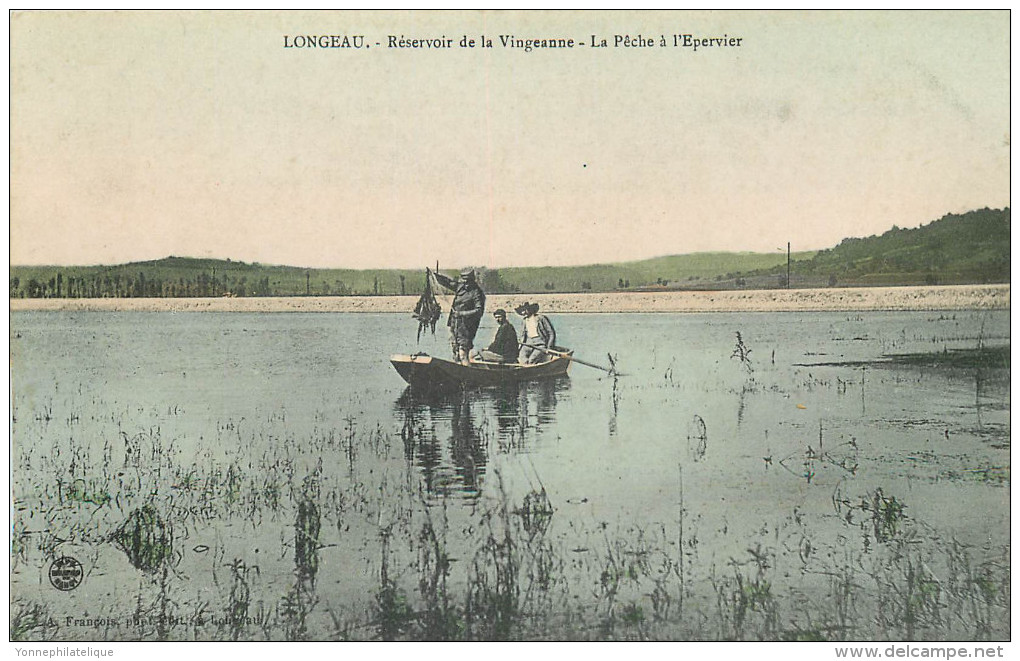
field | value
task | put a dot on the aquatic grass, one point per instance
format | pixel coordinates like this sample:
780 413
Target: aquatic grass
633 616
306 536
239 601
393 615
294 609
20 539
508 580
746 603
908 598
492 607
844 589
661 595
31 622
982 592
510 552
911 584
81 492
884 513
742 353
440 618
147 539
350 432
634 576
535 513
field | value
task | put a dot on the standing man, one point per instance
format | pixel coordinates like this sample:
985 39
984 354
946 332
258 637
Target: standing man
465 313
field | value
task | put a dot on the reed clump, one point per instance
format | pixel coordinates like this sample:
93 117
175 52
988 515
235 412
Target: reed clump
146 538
368 544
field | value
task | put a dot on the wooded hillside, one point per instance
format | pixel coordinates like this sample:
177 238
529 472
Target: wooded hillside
970 248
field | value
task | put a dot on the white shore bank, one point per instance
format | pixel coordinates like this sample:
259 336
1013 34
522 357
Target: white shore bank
957 297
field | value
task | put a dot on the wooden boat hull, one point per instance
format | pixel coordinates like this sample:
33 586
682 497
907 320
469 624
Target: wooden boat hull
426 372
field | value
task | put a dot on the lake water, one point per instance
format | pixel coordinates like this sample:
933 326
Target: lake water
743 472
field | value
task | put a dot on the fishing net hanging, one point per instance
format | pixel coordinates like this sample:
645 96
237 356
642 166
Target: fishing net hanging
427 311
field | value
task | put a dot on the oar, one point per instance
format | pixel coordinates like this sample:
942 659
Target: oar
568 356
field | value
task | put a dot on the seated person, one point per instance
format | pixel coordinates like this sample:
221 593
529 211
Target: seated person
504 346
538 334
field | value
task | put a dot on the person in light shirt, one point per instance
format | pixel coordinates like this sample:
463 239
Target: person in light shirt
538 334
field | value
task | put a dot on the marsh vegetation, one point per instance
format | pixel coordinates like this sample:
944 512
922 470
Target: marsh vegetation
216 489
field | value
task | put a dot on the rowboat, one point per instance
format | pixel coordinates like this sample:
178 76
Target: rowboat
426 372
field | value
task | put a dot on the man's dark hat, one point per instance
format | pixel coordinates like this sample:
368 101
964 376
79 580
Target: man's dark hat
499 313
522 308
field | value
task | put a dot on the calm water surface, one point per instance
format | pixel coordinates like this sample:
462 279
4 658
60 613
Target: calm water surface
742 449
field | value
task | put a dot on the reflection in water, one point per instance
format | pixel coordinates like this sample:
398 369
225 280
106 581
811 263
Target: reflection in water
977 395
467 445
616 407
449 435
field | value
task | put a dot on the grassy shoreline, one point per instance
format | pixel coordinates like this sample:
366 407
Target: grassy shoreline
923 298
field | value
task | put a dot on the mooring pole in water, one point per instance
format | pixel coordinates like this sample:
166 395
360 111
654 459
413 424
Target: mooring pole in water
787 264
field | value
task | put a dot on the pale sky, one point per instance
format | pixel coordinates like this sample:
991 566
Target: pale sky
141 135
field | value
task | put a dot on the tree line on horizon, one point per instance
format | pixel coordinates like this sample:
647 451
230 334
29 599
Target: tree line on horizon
178 277
969 248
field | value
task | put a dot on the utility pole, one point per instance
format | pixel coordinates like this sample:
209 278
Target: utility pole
308 284
787 264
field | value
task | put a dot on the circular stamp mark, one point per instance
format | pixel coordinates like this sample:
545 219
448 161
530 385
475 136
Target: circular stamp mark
66 573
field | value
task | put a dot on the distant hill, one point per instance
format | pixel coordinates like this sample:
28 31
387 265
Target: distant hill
708 270
187 277
969 248
956 249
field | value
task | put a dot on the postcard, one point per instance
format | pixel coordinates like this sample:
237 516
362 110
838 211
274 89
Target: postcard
472 325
